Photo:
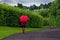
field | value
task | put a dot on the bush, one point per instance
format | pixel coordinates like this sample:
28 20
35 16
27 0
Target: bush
58 22
46 22
44 12
52 22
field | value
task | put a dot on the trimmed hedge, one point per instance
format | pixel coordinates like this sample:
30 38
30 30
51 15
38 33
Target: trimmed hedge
9 16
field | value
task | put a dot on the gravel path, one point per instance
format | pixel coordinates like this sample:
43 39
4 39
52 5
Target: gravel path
51 34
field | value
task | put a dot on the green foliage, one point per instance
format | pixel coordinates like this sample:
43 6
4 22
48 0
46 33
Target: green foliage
45 6
58 22
46 22
44 12
53 14
9 16
19 5
52 22
47 15
33 7
55 7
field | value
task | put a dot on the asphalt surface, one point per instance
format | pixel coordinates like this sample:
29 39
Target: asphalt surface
51 34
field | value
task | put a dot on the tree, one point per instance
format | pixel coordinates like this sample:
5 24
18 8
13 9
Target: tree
49 4
41 6
33 7
45 5
19 5
25 7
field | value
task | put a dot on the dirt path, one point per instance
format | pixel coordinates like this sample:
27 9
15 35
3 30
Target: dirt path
51 34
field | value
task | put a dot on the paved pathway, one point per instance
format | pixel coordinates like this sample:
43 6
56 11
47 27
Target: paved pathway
51 34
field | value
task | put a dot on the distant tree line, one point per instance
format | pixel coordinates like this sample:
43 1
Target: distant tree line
33 7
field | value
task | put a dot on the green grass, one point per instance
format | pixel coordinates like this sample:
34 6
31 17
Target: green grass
6 31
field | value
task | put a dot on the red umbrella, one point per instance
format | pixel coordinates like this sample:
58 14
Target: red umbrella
24 18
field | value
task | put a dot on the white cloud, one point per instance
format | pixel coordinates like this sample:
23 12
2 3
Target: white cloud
26 2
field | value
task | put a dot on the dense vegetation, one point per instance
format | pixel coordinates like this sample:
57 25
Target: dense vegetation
9 16
55 14
45 16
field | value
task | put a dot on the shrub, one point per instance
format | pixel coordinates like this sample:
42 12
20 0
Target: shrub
44 12
58 22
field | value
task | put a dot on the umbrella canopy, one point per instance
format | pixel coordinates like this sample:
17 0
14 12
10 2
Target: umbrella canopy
24 18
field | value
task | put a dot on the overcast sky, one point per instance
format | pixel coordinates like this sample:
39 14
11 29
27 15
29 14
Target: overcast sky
26 2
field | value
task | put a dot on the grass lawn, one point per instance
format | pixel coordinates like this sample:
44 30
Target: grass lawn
6 31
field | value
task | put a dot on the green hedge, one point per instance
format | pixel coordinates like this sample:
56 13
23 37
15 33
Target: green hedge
54 22
44 12
9 16
58 21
